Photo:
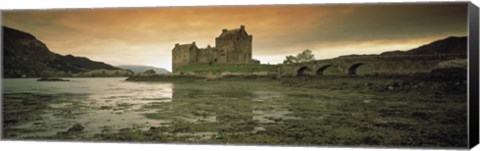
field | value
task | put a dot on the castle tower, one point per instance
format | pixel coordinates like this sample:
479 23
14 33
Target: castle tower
237 45
183 55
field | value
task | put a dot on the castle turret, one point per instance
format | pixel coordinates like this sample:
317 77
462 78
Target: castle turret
237 45
184 54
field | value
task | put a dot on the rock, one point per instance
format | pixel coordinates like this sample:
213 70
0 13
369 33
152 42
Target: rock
211 76
76 128
9 122
420 115
449 74
393 86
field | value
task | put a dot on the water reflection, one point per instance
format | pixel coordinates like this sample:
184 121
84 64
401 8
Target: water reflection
234 105
96 103
110 104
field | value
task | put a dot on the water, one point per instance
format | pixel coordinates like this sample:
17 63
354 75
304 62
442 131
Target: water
241 111
95 102
43 109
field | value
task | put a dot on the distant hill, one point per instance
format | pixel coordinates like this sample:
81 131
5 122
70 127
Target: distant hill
450 45
140 69
26 56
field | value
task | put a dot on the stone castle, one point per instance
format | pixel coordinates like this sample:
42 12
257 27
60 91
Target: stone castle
232 47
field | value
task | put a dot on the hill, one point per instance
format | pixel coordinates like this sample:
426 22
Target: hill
140 69
449 45
26 56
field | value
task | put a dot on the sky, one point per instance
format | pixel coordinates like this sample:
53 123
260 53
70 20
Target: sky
146 36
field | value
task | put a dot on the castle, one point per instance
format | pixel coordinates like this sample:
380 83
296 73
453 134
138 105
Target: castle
232 47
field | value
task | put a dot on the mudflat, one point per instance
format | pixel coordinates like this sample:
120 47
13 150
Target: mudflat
329 110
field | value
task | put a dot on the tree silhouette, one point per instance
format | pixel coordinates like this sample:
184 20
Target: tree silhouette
304 56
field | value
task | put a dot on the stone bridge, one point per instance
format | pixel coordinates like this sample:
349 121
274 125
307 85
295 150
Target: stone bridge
381 64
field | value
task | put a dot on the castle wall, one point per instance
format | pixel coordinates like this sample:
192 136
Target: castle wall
232 47
183 55
237 51
244 48
211 55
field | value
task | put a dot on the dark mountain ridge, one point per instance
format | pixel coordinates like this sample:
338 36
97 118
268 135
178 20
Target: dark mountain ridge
449 45
26 56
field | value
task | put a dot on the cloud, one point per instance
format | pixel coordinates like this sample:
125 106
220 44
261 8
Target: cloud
147 35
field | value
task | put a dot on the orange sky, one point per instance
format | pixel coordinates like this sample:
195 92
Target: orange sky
146 36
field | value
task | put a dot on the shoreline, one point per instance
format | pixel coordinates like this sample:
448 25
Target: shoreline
417 77
274 111
367 110
63 77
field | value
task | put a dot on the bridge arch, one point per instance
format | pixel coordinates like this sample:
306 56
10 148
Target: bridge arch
322 69
301 71
355 68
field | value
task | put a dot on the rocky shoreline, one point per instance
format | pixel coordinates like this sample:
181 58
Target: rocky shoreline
206 77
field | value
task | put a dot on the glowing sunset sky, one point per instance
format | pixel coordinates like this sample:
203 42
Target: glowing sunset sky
146 36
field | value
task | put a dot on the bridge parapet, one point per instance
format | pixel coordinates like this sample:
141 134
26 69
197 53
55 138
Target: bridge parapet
382 64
